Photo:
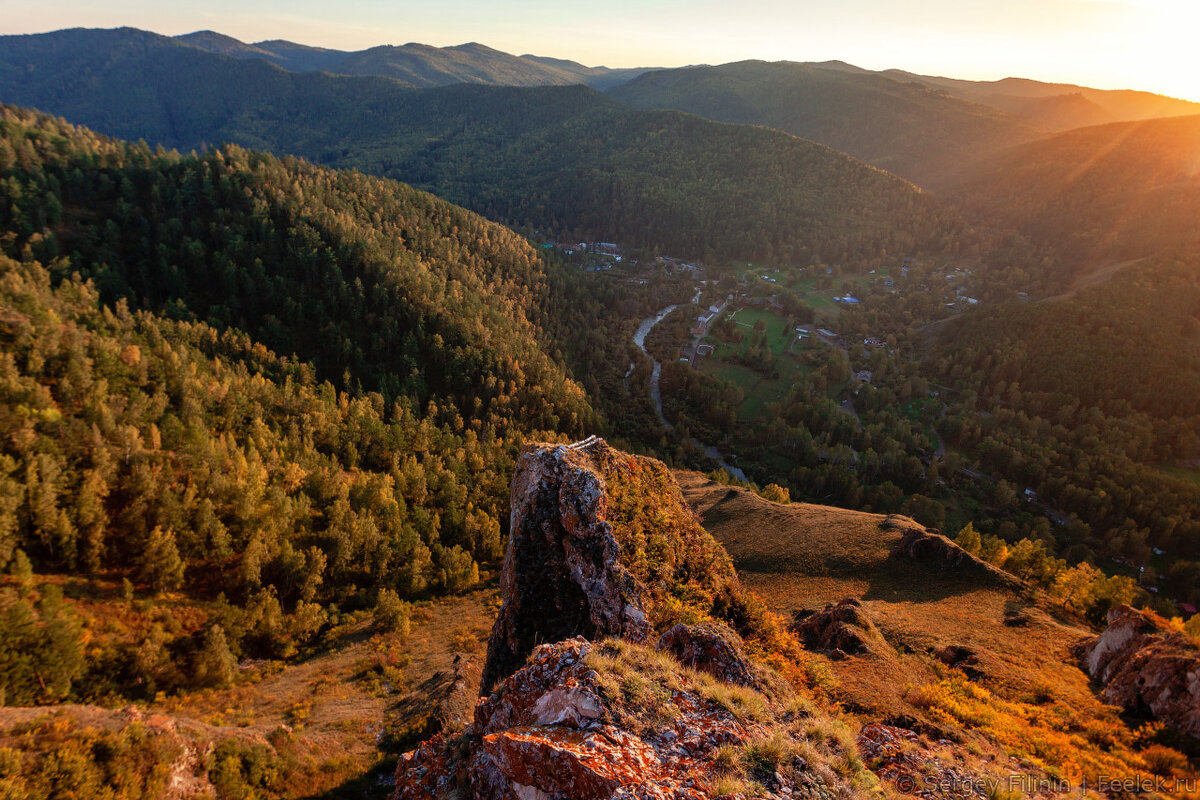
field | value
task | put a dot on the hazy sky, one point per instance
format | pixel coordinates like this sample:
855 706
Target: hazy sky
1142 44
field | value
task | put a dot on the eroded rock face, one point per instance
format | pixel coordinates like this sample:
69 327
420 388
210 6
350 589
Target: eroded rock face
1146 669
715 649
842 628
570 571
550 732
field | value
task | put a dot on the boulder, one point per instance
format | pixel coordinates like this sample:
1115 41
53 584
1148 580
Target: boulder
842 628
961 658
715 649
1146 668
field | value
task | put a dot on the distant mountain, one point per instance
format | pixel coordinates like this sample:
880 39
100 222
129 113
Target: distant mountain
289 55
924 128
564 159
418 65
1123 190
1075 106
906 127
596 77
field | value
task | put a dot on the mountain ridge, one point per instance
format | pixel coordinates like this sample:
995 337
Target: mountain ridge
417 64
563 159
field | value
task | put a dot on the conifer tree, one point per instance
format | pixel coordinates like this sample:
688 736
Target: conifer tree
215 663
161 566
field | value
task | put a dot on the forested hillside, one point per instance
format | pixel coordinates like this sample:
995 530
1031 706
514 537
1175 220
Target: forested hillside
156 437
908 128
1093 402
566 160
1110 192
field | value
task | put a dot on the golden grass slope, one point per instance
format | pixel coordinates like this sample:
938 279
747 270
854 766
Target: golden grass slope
1022 707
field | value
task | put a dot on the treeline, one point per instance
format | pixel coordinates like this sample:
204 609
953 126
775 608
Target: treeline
1081 587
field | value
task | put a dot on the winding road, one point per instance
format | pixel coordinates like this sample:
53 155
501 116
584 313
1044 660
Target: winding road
639 338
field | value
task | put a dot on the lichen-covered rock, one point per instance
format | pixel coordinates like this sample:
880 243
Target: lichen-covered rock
555 731
918 767
431 772
597 539
842 628
1145 668
715 649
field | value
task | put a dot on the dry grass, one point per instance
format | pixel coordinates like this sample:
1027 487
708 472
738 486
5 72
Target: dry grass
1032 702
802 556
322 716
641 679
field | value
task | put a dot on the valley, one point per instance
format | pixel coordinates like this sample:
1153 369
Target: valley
424 422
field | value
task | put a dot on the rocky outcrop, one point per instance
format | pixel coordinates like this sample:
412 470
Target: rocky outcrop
583 558
711 648
1146 669
961 658
931 547
603 561
456 706
841 629
553 731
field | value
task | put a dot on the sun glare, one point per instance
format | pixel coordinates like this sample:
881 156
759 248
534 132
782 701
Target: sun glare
1166 57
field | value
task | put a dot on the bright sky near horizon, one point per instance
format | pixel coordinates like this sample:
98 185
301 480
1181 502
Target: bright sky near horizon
1133 44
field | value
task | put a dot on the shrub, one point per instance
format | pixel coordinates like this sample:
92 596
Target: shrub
215 664
391 614
1162 760
239 771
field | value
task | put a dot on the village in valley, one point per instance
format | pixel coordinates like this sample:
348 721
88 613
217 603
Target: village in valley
796 308
773 330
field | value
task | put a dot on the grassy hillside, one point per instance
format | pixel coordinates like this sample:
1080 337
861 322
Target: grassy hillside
567 160
902 126
979 661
